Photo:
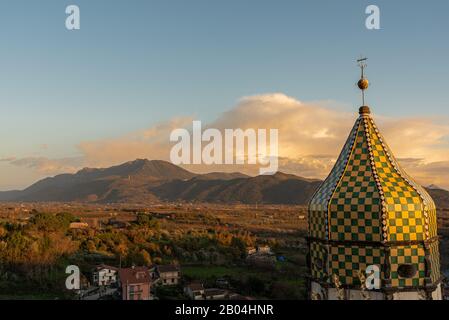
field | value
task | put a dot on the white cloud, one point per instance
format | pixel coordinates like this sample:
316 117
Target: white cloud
47 166
311 136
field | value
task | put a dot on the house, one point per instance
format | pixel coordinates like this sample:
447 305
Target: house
264 257
104 275
168 274
135 283
251 250
264 250
262 260
78 225
214 294
194 291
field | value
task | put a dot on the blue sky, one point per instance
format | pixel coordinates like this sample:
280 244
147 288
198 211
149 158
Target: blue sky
135 63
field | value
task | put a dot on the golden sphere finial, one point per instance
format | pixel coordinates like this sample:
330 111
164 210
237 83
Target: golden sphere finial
363 84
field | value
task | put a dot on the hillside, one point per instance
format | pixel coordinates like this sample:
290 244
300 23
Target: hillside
277 189
440 196
143 181
128 182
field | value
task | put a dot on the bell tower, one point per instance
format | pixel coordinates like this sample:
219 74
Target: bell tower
369 216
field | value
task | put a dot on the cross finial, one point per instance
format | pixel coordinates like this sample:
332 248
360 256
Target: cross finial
362 64
363 82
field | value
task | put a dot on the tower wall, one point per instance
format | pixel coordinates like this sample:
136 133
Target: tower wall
320 292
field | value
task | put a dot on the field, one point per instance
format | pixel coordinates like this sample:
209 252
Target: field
209 242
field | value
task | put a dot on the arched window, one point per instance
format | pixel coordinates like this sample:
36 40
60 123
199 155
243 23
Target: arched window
407 270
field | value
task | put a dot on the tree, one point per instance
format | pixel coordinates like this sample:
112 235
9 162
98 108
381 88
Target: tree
90 246
143 219
255 285
3 231
146 258
239 246
49 222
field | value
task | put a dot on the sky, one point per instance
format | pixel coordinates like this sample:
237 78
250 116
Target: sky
114 89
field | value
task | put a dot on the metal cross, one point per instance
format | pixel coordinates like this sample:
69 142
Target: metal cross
362 65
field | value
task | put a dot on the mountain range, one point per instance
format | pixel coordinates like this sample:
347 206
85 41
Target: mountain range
144 181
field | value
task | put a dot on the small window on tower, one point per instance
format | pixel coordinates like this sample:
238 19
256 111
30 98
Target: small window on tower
407 270
318 263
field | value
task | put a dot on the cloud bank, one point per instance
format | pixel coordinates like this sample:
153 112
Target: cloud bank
311 136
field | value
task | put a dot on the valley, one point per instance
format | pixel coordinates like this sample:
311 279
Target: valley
153 213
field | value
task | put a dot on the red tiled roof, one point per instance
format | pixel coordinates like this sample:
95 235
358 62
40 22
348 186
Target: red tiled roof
134 275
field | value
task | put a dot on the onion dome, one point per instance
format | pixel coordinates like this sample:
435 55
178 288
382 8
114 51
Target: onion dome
369 211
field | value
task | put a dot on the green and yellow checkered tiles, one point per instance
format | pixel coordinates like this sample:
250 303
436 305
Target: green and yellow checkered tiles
369 198
408 212
347 261
354 209
318 206
414 255
319 258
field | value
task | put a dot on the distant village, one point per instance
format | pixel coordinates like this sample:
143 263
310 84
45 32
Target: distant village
191 250
142 282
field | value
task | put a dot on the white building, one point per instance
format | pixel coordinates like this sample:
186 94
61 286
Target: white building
194 291
264 249
104 275
168 274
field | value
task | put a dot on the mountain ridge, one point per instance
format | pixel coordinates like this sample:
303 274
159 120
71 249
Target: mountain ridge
143 181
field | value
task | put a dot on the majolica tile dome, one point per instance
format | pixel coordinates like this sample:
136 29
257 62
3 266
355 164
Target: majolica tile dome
368 211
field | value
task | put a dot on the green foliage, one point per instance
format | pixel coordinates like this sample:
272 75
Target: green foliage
170 292
3 231
145 220
138 257
49 222
288 290
33 254
255 285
